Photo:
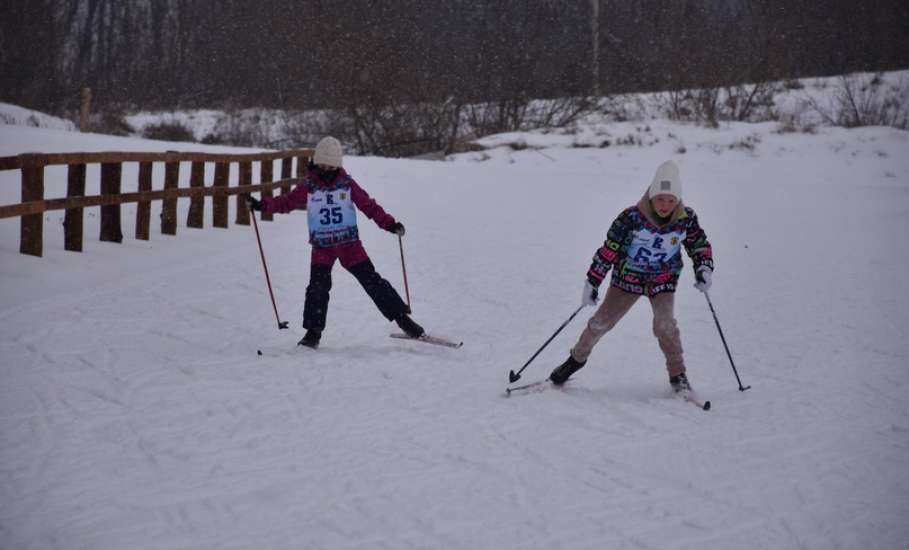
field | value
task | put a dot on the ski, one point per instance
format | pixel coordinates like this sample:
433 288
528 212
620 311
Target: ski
435 340
691 397
277 352
539 385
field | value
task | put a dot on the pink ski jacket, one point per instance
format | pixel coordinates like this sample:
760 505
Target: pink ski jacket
299 197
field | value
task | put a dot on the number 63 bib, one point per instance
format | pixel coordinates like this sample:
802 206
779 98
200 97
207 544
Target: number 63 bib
651 251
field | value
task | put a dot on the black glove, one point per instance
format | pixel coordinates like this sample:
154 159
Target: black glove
397 228
253 203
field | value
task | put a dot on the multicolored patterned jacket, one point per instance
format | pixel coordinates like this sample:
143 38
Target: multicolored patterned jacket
645 254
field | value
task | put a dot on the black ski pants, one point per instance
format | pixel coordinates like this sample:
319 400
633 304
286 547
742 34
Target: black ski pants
315 309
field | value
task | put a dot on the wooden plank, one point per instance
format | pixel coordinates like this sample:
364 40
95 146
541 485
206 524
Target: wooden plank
10 163
220 204
287 165
110 214
73 221
143 209
302 166
196 216
245 180
37 207
31 227
169 206
266 173
102 157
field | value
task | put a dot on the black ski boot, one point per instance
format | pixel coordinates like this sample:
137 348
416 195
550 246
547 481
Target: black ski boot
409 327
679 383
561 373
311 338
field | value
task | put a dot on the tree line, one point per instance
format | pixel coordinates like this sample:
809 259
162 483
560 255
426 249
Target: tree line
369 56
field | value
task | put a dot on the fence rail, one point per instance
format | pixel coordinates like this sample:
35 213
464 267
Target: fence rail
34 204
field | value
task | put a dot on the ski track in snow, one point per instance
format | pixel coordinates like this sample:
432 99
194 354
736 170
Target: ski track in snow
136 413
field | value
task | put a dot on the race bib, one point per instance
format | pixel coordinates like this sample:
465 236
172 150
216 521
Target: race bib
650 250
332 217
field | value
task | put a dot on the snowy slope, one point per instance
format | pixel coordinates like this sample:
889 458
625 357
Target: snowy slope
14 115
135 412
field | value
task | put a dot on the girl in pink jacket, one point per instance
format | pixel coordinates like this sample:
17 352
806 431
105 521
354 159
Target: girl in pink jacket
331 198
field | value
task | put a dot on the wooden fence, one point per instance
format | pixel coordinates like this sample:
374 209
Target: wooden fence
34 204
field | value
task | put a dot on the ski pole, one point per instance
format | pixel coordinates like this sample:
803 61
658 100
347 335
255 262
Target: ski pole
723 338
404 269
281 324
515 376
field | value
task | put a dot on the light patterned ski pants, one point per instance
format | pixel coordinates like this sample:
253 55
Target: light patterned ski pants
615 305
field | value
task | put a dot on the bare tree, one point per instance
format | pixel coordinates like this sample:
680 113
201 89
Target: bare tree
449 63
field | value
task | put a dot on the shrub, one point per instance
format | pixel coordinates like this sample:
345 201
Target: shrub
794 123
630 139
168 131
213 139
747 143
113 124
862 101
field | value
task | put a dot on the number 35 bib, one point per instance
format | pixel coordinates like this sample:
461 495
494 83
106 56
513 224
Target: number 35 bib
332 217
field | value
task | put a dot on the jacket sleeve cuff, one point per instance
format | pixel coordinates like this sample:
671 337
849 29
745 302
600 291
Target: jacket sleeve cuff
705 263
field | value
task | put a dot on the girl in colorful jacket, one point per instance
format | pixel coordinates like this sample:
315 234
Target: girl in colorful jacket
643 248
331 198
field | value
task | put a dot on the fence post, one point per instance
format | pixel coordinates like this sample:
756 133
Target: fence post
196 216
169 206
72 222
302 166
220 202
110 214
245 178
143 208
287 165
31 227
266 175
85 110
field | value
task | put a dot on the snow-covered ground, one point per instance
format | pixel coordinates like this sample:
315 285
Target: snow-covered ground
13 115
136 413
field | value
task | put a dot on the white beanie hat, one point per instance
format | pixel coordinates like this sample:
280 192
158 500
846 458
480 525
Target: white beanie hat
328 152
666 181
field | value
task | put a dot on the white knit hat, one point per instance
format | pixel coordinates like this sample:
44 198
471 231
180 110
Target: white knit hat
328 152
666 181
